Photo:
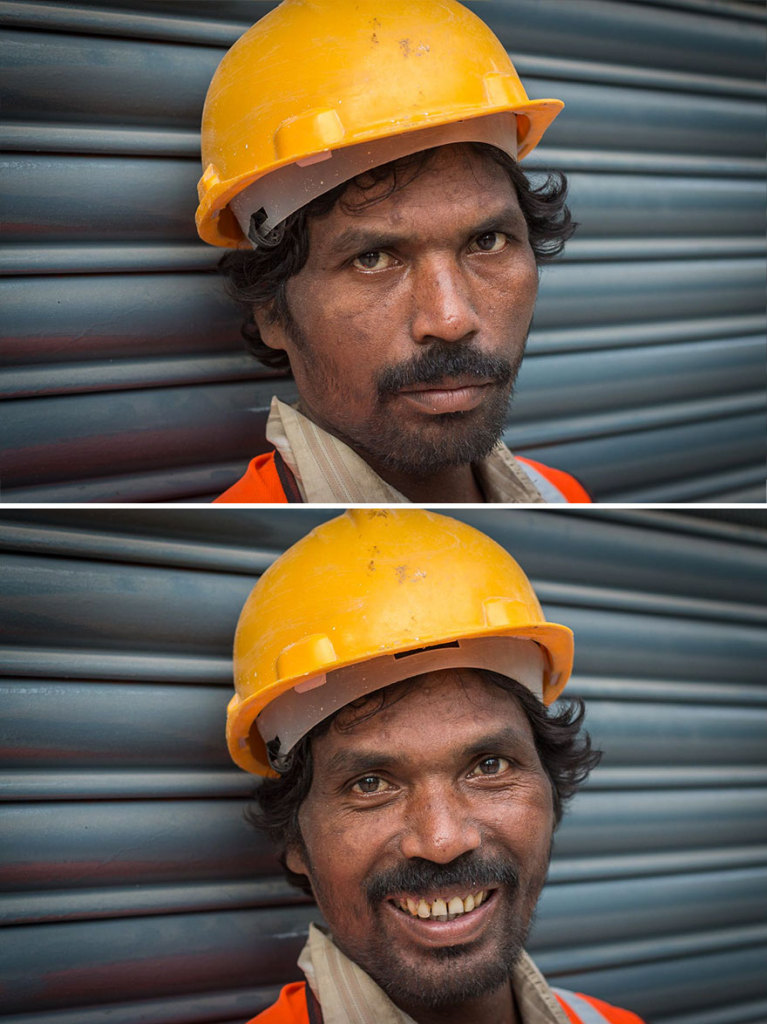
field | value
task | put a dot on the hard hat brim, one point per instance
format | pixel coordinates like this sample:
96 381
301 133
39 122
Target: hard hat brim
248 750
217 224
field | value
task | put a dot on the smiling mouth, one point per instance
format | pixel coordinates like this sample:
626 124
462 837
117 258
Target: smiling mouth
441 909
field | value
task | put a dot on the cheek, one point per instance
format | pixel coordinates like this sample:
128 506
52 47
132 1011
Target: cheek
506 300
523 287
529 823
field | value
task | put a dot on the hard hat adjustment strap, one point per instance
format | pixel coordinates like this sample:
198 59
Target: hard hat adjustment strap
288 188
281 763
297 710
259 239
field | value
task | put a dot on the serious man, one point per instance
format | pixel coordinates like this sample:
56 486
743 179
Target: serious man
361 158
393 674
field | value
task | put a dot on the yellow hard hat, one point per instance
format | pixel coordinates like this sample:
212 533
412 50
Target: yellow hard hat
318 91
368 599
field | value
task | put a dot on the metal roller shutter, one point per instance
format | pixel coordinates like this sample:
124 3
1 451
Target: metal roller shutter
136 894
125 378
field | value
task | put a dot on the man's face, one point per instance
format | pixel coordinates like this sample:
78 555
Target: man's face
410 316
432 803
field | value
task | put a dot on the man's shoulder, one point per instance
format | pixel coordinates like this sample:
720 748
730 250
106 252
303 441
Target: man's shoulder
577 1006
290 1008
262 483
554 484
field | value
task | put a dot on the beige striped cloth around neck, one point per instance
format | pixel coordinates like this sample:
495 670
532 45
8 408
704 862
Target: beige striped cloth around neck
328 471
348 995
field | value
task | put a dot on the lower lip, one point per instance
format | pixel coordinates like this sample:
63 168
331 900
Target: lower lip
463 929
441 400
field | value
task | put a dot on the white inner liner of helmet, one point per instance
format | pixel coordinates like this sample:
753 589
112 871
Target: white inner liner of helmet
289 188
291 715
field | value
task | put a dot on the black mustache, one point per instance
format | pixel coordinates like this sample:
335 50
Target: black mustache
419 877
442 360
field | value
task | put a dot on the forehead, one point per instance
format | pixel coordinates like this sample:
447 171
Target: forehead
455 180
436 715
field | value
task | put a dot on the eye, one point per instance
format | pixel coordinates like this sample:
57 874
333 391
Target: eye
373 260
490 766
368 785
490 241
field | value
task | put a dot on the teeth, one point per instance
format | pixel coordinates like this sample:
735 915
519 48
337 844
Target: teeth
443 910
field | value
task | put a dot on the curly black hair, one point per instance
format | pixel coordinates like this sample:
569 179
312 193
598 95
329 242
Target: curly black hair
566 755
259 277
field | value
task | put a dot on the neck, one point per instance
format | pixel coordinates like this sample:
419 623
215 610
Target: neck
498 1006
456 485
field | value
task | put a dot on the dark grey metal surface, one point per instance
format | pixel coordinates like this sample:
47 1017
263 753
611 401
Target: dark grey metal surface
124 375
135 892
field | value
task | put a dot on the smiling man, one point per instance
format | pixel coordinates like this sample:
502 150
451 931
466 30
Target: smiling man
362 160
394 674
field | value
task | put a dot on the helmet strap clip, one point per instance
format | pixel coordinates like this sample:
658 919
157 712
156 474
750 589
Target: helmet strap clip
281 763
264 239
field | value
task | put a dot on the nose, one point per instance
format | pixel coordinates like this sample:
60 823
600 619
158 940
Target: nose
440 826
443 304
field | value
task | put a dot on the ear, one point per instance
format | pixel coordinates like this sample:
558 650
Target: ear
269 327
294 859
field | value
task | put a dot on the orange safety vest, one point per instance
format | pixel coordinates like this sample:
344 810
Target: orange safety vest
268 480
292 1008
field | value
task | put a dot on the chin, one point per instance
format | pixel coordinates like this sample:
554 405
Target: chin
446 981
451 442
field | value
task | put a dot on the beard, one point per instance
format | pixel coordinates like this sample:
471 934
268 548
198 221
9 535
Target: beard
437 442
450 975
455 981
449 439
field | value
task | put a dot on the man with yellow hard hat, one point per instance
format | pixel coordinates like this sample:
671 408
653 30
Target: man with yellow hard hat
394 674
361 159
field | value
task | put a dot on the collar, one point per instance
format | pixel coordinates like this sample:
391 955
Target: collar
346 993
328 471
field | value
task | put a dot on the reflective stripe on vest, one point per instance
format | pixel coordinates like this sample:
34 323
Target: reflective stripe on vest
549 492
588 1013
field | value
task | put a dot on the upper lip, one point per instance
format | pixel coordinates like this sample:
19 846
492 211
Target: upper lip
445 894
449 384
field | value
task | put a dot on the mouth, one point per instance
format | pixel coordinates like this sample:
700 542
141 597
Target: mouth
448 395
441 908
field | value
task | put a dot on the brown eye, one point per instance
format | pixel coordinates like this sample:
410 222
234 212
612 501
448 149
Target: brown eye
490 241
373 260
369 784
490 766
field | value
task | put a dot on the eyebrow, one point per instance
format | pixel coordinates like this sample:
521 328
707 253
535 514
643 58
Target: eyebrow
370 239
348 763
